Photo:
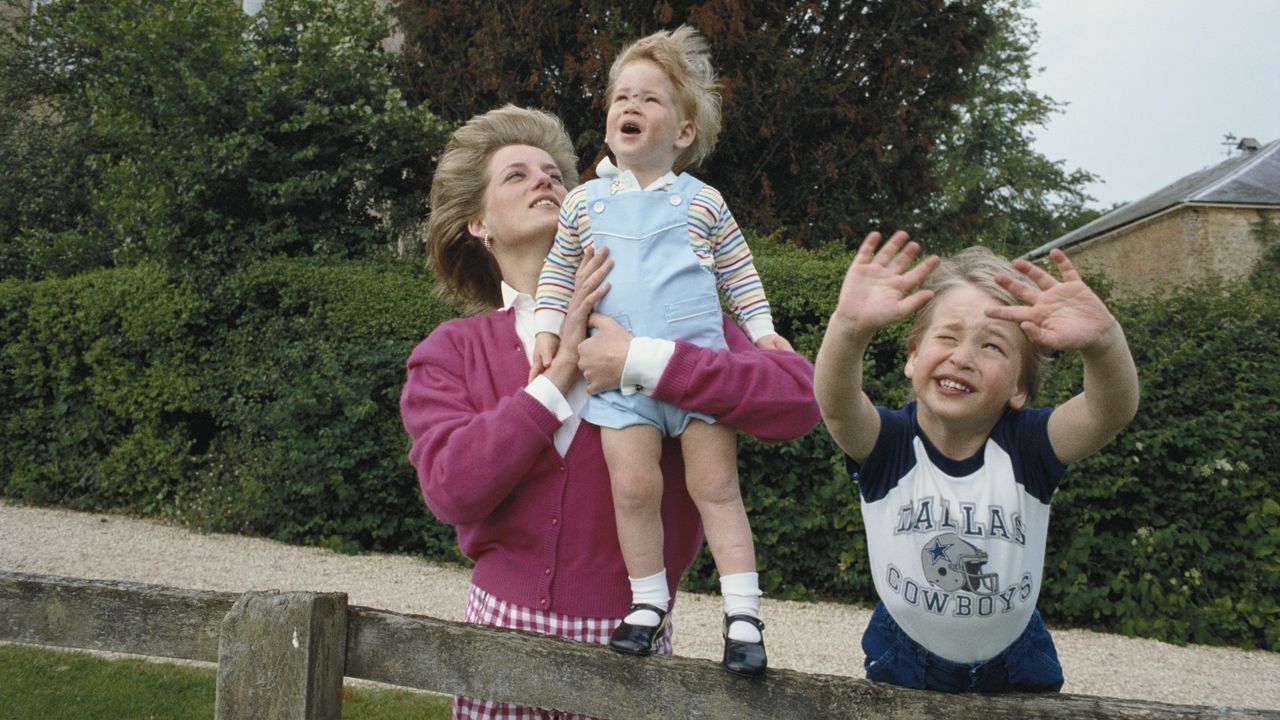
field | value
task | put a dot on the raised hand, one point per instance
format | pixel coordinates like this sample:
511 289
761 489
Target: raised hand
1060 315
877 289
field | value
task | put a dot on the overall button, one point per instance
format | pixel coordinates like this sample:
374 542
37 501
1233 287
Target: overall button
598 207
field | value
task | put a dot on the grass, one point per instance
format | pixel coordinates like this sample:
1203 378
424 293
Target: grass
40 684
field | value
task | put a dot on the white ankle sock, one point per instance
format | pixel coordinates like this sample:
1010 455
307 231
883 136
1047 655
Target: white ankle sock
741 593
650 590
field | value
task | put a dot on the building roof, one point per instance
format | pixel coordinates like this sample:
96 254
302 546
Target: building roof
1252 178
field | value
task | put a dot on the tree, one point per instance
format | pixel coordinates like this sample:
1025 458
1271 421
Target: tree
831 109
192 133
995 190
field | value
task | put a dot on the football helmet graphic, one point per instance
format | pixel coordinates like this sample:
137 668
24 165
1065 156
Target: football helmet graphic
954 564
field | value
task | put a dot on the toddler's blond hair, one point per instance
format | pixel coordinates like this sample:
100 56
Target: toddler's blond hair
684 55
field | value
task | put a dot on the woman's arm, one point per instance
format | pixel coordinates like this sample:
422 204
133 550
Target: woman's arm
471 447
476 433
764 393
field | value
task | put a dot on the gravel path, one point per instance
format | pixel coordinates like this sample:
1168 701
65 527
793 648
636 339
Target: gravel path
811 637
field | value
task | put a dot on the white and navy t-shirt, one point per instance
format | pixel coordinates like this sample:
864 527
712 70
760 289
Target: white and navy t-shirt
957 546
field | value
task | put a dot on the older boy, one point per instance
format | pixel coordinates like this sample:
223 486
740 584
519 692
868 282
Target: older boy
956 485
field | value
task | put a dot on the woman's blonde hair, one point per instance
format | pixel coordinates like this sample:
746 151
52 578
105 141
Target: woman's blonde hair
978 266
685 57
465 268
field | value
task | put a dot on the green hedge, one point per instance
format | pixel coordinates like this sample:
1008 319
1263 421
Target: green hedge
270 407
1173 531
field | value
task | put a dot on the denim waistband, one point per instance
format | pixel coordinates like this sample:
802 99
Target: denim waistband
961 675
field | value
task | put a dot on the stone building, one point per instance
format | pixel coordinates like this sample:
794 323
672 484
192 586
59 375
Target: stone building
1200 227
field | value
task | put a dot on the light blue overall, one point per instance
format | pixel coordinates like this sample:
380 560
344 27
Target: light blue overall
657 289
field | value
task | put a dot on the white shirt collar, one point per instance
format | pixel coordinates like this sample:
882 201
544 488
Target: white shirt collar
511 295
625 180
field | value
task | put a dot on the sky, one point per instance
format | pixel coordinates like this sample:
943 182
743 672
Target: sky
1152 86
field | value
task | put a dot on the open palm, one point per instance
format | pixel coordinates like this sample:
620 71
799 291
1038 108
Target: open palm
877 289
1061 315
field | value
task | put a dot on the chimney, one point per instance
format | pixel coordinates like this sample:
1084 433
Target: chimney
1248 145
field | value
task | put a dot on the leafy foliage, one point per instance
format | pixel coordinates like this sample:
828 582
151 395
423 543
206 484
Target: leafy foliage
1173 531
93 368
307 443
1266 276
831 110
190 133
995 190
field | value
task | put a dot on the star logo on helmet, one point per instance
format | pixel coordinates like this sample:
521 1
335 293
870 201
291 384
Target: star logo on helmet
938 551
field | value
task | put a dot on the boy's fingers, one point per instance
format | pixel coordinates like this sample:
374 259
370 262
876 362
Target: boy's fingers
917 274
915 301
867 249
1023 291
889 252
1065 266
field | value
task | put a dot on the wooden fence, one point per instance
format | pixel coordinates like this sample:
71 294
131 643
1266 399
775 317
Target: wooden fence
283 655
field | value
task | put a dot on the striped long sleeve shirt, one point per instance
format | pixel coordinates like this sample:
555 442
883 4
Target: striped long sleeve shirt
713 234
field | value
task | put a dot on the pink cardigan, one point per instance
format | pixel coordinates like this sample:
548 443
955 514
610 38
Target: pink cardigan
539 527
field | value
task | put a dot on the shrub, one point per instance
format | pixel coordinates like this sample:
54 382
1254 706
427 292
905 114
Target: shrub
1173 530
307 444
93 369
195 135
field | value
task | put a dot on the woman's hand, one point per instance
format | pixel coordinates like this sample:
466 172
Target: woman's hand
602 356
589 288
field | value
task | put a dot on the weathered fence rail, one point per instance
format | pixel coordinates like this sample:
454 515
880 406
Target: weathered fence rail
283 655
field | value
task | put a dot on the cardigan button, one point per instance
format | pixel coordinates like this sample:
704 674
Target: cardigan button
546 571
598 207
543 602
555 521
675 200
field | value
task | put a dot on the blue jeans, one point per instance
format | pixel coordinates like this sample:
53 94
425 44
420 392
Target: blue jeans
1029 664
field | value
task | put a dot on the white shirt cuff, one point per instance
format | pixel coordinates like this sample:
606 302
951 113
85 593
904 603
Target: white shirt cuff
548 321
546 392
647 359
758 327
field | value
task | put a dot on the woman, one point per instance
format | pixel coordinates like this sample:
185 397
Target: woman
507 461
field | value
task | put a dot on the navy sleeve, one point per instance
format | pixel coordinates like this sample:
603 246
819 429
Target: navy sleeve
1025 435
889 460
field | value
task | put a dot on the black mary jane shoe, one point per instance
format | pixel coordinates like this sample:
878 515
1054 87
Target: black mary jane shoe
638 639
744 658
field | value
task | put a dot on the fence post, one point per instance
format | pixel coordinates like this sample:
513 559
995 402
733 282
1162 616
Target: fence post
281 656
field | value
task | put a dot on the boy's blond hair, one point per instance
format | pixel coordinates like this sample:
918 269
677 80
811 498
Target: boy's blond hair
684 55
978 266
465 269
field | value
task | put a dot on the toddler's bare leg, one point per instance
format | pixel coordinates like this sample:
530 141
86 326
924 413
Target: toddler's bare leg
711 473
633 454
